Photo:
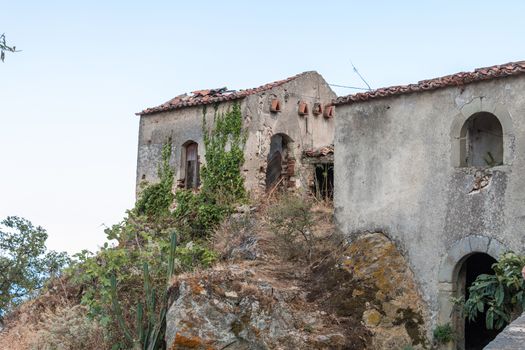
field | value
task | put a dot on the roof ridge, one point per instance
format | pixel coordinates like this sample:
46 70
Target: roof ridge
208 96
456 79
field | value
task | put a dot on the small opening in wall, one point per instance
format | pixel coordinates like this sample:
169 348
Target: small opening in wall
303 108
481 141
324 181
328 111
143 177
318 109
275 105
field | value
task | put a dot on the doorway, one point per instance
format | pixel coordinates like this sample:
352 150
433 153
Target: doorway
474 335
279 167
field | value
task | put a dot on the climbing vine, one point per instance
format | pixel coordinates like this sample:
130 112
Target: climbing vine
224 144
221 178
156 199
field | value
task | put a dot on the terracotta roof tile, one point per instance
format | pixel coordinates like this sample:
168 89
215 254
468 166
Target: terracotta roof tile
209 96
458 79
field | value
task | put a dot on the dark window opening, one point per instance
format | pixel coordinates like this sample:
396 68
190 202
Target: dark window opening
324 181
481 141
476 335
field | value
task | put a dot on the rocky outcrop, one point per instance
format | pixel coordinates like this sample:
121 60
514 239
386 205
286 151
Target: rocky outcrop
372 281
362 297
235 308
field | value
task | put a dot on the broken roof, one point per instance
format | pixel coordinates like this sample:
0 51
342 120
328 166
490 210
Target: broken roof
458 79
205 97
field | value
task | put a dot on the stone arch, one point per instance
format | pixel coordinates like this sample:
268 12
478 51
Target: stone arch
476 106
450 267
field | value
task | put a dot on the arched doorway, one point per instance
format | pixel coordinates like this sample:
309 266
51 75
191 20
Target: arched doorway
464 259
278 166
476 335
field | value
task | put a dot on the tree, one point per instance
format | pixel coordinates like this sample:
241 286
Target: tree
501 295
5 48
25 263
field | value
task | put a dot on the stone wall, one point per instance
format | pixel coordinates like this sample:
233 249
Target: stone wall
185 124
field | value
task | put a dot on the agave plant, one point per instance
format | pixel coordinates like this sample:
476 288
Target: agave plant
149 337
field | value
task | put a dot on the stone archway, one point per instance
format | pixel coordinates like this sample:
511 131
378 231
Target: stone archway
482 105
449 280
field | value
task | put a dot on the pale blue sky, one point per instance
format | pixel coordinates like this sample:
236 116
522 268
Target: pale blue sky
68 132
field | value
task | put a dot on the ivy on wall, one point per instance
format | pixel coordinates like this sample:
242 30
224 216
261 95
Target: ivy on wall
221 178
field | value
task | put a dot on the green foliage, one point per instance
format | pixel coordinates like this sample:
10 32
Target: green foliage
156 199
443 334
221 179
193 255
148 335
25 263
501 294
139 240
290 219
224 145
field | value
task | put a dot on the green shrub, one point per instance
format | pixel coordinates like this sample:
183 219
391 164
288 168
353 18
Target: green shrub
222 187
500 294
193 255
443 334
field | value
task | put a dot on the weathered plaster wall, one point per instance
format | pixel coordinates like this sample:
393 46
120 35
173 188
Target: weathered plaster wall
262 124
397 171
186 124
181 125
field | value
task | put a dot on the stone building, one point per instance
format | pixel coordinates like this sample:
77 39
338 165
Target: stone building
286 121
438 167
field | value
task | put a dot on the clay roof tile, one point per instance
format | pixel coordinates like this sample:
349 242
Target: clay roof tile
209 96
458 79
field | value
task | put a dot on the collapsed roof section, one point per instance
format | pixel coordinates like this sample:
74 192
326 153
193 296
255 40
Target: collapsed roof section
210 96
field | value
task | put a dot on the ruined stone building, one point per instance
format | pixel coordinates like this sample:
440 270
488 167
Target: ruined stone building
290 130
438 167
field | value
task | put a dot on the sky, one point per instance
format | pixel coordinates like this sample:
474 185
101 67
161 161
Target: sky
68 133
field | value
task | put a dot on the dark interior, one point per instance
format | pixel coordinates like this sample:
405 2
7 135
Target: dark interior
477 336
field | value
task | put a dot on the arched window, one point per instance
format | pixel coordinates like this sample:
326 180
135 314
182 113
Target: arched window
280 163
481 141
190 164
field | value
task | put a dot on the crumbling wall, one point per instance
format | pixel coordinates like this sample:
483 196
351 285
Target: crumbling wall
306 131
181 125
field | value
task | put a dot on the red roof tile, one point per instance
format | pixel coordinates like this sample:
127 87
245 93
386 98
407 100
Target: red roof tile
458 79
205 97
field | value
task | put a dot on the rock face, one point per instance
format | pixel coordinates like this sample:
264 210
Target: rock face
372 281
362 297
231 308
